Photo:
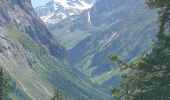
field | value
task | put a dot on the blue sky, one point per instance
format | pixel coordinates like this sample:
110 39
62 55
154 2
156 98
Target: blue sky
36 3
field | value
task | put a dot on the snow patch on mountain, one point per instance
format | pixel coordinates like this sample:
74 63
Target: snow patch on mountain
82 5
57 10
89 18
62 2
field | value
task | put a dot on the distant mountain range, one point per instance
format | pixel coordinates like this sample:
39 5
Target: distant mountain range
58 10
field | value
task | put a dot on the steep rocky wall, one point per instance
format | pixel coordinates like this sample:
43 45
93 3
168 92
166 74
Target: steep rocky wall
20 14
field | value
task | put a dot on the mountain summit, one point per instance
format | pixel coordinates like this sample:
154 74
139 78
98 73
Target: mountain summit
57 10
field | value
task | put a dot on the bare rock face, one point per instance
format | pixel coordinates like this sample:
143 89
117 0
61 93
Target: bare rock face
21 15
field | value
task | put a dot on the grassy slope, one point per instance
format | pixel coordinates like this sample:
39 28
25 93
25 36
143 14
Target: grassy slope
38 73
69 39
142 46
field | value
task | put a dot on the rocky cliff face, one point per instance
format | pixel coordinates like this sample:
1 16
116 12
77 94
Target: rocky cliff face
21 15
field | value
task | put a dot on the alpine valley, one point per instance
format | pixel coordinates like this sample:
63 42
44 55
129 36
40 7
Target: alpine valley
36 62
108 27
65 45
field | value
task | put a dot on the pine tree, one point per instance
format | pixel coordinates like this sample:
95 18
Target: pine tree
58 95
5 86
148 78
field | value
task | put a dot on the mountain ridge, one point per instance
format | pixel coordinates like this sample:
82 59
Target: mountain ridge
58 10
29 23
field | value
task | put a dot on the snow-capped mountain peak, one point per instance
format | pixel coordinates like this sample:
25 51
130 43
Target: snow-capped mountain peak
57 10
79 4
62 2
